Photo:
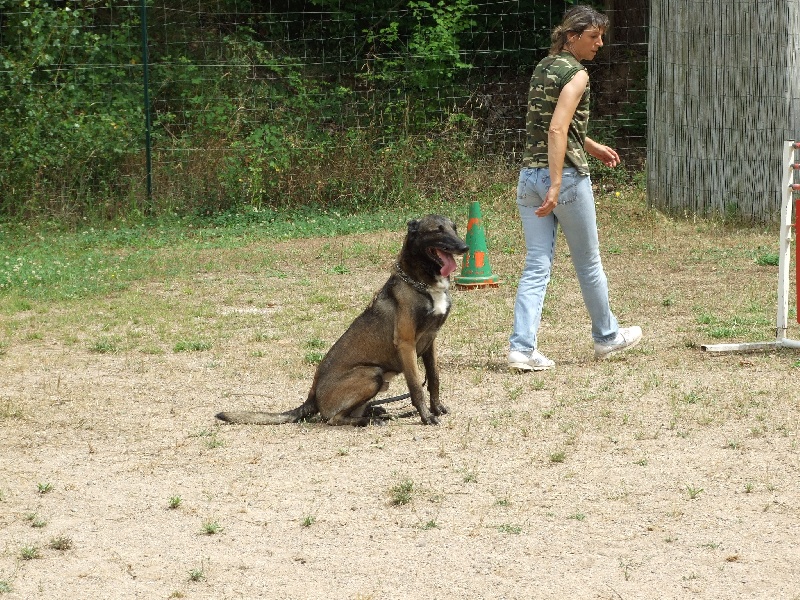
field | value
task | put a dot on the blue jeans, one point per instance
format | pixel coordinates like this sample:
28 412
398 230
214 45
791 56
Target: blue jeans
575 213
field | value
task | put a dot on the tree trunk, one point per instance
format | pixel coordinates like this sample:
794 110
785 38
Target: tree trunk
723 94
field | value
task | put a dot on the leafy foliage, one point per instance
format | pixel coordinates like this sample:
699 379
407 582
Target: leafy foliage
69 100
246 109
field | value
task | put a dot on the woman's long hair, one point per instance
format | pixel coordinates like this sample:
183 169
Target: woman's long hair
577 20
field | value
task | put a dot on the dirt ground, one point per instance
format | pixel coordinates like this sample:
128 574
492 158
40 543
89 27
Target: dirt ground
666 473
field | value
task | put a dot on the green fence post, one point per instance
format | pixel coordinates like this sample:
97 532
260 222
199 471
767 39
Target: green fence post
147 121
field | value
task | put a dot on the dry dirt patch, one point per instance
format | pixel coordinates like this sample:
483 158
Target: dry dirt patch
664 474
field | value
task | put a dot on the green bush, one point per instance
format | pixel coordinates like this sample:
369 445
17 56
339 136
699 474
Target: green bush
70 104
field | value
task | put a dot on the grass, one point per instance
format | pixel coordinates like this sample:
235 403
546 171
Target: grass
36 521
30 553
211 527
61 543
308 521
402 493
694 492
52 263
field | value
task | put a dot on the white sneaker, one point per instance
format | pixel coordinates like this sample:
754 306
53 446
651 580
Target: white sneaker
627 337
535 361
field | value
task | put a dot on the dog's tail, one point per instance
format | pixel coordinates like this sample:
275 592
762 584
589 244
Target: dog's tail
244 417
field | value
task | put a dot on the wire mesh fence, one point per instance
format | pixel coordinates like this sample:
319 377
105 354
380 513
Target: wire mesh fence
271 102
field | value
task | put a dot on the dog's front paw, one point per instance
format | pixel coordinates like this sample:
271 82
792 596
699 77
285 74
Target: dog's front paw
430 420
439 409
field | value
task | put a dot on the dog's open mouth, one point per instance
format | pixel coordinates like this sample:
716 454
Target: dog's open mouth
445 259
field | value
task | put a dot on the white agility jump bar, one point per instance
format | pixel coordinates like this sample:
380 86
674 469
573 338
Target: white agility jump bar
789 208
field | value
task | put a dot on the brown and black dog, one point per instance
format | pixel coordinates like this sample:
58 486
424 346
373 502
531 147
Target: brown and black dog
385 340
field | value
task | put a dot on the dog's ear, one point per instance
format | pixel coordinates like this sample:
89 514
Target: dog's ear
413 226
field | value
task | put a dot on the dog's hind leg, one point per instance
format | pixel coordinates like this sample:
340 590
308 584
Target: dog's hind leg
346 401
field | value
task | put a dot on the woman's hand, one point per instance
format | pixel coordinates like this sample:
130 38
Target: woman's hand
606 155
550 201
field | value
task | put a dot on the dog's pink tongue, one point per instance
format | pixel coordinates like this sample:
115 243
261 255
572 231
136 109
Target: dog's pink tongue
448 263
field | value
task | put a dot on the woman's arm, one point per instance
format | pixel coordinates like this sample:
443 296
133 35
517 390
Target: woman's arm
568 100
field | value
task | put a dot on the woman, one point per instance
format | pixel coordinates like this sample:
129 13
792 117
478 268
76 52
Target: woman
555 189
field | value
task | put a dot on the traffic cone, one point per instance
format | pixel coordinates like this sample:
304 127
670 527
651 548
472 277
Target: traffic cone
476 271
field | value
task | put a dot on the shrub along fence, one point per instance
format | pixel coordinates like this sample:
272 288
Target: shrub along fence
342 102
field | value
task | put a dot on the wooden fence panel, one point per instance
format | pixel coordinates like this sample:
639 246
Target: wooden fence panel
723 95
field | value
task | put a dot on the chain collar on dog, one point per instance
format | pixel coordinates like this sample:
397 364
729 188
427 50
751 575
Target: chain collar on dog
417 285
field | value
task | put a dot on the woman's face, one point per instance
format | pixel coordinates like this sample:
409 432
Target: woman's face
585 45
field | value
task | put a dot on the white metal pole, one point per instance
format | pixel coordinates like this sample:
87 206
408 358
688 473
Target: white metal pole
784 260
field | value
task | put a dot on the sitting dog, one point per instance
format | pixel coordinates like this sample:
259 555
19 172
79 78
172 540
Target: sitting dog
385 340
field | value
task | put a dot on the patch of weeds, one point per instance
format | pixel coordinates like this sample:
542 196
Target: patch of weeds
211 528
308 521
9 411
5 587
105 345
642 462
626 566
36 521
61 543
29 553
343 451
313 357
152 350
732 444
693 492
538 385
214 442
503 502
469 476
514 391
191 346
430 525
558 457
768 259
748 488
174 502
44 488
315 344
196 575
402 492
578 516
340 270
509 528
692 397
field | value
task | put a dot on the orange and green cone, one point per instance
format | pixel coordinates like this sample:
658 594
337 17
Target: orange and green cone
477 270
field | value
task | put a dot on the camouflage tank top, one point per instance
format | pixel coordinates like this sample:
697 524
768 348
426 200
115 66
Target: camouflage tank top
549 77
